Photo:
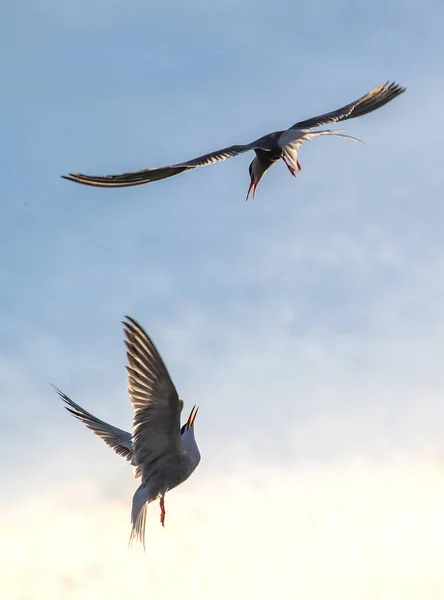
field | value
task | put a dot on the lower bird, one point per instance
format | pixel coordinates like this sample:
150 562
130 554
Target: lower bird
269 148
163 453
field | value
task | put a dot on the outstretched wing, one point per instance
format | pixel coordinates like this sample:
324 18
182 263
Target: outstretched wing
117 439
157 407
368 103
149 175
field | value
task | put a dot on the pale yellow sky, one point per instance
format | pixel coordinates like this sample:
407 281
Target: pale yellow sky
356 530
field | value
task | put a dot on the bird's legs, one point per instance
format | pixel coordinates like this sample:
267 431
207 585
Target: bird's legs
162 511
292 169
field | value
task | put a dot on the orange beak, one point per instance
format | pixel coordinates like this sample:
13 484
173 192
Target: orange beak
192 417
253 186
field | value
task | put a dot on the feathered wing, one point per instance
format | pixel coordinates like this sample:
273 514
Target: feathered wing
117 439
373 100
149 175
157 407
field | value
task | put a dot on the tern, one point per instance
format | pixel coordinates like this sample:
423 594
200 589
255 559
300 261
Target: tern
163 453
268 149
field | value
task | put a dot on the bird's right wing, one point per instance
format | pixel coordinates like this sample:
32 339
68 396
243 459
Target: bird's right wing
117 439
366 104
157 407
149 175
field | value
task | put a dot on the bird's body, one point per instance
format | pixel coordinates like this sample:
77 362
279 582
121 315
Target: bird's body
268 148
163 453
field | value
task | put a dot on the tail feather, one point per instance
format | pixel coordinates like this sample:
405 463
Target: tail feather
138 529
308 136
138 515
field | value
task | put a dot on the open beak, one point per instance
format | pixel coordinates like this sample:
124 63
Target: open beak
253 186
192 417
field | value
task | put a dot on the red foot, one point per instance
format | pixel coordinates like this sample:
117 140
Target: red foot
162 512
289 167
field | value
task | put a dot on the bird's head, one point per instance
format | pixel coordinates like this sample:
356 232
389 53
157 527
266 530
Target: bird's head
188 439
256 171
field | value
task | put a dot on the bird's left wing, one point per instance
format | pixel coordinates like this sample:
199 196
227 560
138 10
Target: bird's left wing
157 407
149 175
366 104
117 439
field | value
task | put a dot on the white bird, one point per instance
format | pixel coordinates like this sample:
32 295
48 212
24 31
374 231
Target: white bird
269 148
163 453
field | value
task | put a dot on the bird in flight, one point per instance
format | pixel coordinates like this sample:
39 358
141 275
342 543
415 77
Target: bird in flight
268 149
163 453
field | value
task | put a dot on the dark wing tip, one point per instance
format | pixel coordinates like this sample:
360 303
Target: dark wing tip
97 181
136 335
373 100
71 406
131 329
86 179
394 88
125 180
130 323
381 94
62 395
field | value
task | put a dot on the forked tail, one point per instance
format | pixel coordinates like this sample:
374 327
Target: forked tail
311 134
138 515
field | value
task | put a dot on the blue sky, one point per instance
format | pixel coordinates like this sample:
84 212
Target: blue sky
307 323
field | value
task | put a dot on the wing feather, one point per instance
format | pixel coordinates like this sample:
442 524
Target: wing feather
157 407
372 101
117 439
149 175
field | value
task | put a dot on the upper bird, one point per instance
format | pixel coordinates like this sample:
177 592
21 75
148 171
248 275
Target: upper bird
164 453
268 149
